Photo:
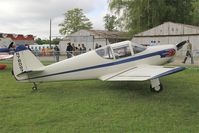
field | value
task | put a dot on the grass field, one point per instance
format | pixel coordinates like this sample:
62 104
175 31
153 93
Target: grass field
95 106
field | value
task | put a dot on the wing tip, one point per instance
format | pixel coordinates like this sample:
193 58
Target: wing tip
172 71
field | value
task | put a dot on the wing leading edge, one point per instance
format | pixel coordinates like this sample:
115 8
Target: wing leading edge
142 73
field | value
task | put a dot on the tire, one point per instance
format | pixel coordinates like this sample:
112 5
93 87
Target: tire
156 90
34 88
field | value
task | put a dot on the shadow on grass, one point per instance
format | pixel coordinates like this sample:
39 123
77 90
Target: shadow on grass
172 91
95 86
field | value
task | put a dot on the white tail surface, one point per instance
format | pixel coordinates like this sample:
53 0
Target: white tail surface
24 62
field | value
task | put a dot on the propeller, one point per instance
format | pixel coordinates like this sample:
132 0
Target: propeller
180 45
11 45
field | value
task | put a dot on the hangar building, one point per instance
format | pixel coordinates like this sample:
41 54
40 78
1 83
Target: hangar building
92 37
170 33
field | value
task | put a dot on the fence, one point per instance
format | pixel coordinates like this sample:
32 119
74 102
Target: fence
180 53
53 56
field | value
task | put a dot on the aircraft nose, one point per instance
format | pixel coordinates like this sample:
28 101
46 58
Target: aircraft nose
171 52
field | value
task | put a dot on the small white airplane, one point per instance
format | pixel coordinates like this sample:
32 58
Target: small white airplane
5 52
124 61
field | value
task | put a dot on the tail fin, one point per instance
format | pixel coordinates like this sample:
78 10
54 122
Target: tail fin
24 62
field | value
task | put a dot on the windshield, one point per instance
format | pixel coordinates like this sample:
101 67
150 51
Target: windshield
137 48
105 52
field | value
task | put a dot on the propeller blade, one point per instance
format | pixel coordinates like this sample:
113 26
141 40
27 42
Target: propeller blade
180 45
11 45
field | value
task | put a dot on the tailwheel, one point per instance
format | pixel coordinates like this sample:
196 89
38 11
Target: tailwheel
34 88
156 86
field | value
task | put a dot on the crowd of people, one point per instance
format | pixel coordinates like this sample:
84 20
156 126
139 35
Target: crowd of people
72 50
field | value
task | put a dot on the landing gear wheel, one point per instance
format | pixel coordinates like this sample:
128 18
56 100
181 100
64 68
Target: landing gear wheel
34 88
156 85
156 89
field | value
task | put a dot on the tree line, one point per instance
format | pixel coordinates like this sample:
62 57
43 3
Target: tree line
47 41
140 15
134 16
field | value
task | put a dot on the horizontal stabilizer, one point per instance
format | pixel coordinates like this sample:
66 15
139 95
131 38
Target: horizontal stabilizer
33 71
6 56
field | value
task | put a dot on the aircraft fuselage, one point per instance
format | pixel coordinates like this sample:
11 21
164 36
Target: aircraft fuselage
92 66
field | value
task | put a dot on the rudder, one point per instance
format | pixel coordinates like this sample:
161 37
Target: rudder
24 61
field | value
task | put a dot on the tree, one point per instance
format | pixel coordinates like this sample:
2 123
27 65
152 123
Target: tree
110 22
38 41
195 13
140 15
56 40
74 21
47 41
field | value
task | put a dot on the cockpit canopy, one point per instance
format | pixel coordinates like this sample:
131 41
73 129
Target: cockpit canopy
137 48
105 52
120 50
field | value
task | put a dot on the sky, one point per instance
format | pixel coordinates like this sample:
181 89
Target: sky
33 16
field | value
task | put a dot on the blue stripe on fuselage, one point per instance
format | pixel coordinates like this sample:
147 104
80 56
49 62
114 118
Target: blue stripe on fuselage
4 50
106 65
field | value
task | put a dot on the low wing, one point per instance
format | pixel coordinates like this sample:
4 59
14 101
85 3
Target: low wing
4 57
142 73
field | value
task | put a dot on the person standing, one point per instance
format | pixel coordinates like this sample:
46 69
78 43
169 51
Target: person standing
189 53
73 51
36 51
83 48
79 49
69 50
96 46
43 52
56 53
153 43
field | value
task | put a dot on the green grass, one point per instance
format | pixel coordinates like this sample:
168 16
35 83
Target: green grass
95 106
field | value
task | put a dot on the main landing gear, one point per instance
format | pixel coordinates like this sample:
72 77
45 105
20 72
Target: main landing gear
34 88
156 86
